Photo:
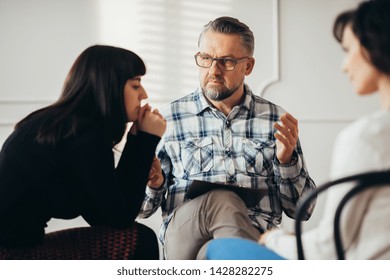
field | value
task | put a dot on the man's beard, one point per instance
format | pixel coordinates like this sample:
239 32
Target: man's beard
219 93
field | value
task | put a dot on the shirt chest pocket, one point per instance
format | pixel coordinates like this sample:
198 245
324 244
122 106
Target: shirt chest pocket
259 156
197 155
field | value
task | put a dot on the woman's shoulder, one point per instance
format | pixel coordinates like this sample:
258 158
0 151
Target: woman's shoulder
373 125
363 145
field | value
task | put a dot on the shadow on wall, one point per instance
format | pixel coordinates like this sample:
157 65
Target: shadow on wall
169 33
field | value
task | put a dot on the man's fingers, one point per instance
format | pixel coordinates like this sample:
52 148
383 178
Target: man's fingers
291 118
290 123
285 133
283 140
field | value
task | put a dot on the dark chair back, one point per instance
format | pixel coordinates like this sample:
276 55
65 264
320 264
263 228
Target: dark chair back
362 182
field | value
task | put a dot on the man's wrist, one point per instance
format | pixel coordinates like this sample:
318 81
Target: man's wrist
293 159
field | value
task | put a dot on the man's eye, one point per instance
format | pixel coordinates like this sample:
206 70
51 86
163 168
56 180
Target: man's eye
228 61
206 58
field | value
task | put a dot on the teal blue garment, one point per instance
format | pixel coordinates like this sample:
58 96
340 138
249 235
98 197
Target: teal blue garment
239 249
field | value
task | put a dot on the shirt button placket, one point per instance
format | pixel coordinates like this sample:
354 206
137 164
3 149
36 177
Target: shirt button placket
229 166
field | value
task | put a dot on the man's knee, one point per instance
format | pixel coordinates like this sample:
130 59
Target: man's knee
225 198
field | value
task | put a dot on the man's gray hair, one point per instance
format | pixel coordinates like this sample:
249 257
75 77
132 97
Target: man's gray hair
229 25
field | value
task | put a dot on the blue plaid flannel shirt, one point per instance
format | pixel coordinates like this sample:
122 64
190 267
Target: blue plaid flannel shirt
201 143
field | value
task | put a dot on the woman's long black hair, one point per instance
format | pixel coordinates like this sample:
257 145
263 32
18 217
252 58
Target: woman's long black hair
92 95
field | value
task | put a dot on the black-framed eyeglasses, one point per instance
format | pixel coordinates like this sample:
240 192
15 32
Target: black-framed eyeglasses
224 63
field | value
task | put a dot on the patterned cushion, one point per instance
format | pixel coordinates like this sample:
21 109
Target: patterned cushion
84 243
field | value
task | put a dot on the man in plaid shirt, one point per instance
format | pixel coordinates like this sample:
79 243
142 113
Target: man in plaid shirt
222 132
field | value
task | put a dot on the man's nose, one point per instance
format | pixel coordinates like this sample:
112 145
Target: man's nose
214 68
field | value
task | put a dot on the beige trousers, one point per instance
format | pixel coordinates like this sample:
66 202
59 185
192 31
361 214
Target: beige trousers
215 214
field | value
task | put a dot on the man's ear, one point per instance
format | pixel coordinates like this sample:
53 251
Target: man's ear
250 63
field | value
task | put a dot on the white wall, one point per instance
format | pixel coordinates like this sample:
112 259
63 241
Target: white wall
297 60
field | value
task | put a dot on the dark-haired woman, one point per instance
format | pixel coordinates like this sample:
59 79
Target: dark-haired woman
363 146
59 163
